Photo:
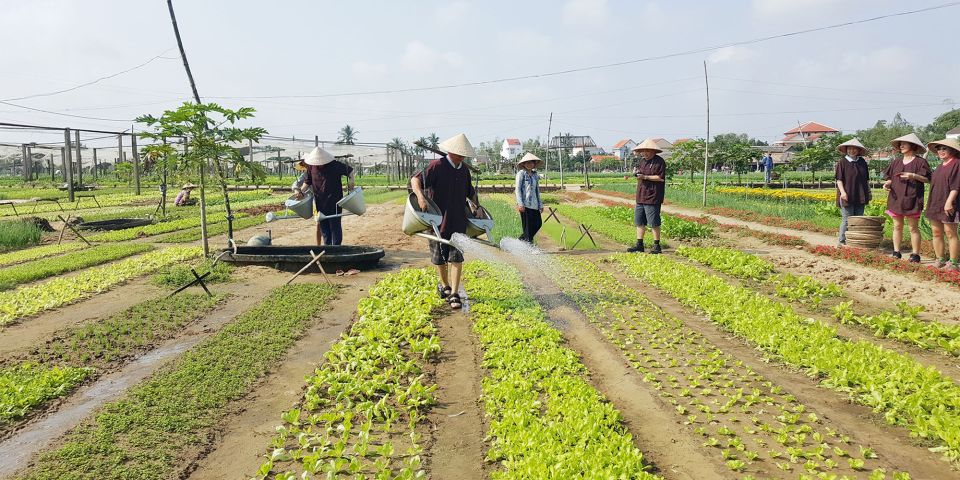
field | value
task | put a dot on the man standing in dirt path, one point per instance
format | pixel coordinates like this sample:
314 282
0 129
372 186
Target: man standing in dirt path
449 185
651 172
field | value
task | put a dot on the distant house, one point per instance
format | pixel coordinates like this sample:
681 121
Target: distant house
954 133
804 134
779 154
511 148
664 145
623 148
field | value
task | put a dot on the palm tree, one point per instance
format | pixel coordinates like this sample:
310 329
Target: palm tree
434 142
398 144
347 135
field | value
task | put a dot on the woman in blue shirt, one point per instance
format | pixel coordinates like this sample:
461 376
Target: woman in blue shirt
527 191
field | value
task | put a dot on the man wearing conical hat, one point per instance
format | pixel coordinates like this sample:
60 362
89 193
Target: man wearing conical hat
527 192
904 180
651 173
324 178
448 183
853 183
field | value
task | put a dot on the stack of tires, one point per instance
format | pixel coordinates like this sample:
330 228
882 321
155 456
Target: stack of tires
865 231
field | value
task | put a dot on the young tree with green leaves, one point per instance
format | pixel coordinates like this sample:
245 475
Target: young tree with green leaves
821 154
687 156
738 157
209 131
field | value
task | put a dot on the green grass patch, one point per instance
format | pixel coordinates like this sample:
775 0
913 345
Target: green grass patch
218 228
384 195
18 234
176 276
144 434
25 386
506 218
25 255
39 269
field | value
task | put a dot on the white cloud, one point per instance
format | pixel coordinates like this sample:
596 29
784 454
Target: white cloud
420 57
886 60
731 55
525 43
652 14
586 13
809 9
451 14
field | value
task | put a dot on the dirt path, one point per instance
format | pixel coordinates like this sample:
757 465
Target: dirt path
894 445
42 431
672 448
458 449
244 435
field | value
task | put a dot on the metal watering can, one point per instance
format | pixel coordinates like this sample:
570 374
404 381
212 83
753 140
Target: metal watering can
303 208
352 204
417 221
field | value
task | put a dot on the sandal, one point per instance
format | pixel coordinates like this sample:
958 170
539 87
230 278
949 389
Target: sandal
454 300
443 291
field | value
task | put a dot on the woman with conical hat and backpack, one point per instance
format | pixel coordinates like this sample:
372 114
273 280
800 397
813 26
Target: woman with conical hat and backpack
853 183
324 178
447 182
943 203
904 180
527 191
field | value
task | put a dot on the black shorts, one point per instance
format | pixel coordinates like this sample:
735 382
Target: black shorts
441 254
646 214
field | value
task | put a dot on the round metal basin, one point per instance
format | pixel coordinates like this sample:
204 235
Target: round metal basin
116 224
293 258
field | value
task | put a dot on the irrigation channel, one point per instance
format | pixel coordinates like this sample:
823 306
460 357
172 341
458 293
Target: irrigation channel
674 381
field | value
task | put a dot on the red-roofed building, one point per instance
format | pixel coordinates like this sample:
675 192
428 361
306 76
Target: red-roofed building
511 148
623 148
806 133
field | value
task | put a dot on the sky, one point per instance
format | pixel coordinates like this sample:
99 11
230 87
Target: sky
319 62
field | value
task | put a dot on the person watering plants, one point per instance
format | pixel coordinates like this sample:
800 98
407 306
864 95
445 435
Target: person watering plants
527 191
904 181
943 203
853 183
183 198
449 185
297 185
651 173
324 175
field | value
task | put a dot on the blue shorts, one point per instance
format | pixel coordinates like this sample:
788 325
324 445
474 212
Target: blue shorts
646 214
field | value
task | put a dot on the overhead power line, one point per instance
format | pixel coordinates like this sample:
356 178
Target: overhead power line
64 114
615 64
86 84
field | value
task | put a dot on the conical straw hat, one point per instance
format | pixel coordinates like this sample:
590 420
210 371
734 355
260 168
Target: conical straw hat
853 142
912 139
648 144
530 157
188 186
459 145
947 142
317 156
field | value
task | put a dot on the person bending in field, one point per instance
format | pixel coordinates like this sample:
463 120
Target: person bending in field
297 185
942 204
324 177
448 183
527 191
651 173
183 198
904 181
853 187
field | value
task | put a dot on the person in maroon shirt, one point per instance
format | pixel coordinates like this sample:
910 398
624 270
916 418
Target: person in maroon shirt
449 184
324 174
904 181
943 204
853 183
651 173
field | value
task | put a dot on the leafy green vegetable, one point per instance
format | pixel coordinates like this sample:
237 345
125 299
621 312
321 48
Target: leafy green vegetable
27 385
48 267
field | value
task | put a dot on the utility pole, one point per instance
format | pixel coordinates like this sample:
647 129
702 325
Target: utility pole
50 164
316 140
79 159
94 172
68 163
136 162
26 169
546 161
706 144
